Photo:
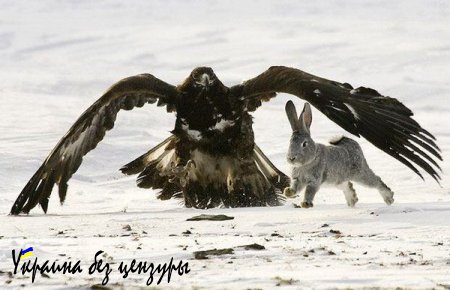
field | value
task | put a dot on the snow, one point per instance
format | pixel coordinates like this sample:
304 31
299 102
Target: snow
57 57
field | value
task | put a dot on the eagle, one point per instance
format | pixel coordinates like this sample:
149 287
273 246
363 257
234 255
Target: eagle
211 159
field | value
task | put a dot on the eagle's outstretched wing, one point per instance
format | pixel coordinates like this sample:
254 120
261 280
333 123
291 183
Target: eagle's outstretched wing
384 121
86 133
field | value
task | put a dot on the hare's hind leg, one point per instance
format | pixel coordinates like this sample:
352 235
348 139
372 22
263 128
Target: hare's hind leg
349 192
385 192
370 179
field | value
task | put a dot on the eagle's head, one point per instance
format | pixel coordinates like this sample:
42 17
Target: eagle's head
202 80
203 77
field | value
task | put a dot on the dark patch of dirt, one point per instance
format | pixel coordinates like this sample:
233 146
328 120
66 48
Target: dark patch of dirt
211 217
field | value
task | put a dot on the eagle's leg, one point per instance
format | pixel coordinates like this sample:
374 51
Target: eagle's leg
189 200
233 181
248 186
209 180
180 175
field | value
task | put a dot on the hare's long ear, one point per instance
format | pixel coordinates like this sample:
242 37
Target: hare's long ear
305 118
291 113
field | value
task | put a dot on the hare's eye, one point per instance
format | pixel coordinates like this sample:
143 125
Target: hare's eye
304 144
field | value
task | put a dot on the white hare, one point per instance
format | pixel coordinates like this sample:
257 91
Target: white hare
338 164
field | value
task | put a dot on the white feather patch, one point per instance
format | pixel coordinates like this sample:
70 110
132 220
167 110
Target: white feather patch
222 125
354 113
193 134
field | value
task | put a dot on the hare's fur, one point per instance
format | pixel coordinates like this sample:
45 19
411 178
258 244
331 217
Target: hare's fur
338 164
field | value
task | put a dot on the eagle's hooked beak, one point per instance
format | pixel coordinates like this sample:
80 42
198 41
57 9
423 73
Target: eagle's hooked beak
205 81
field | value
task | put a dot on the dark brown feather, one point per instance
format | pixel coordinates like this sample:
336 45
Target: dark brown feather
86 133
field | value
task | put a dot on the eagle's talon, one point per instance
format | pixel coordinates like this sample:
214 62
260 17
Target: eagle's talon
180 174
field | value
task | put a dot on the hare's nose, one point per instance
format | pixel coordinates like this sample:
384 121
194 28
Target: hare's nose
291 158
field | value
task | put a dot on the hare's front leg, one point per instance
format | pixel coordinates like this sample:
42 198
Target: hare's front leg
294 187
349 192
310 192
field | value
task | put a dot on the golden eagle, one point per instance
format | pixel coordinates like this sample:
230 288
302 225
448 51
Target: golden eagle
211 158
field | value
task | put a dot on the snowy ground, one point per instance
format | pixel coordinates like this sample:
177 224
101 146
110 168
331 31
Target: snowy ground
57 57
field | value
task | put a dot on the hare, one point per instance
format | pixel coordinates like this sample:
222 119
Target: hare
314 164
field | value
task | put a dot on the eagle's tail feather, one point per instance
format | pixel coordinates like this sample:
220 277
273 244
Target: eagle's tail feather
140 163
278 178
253 182
151 165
